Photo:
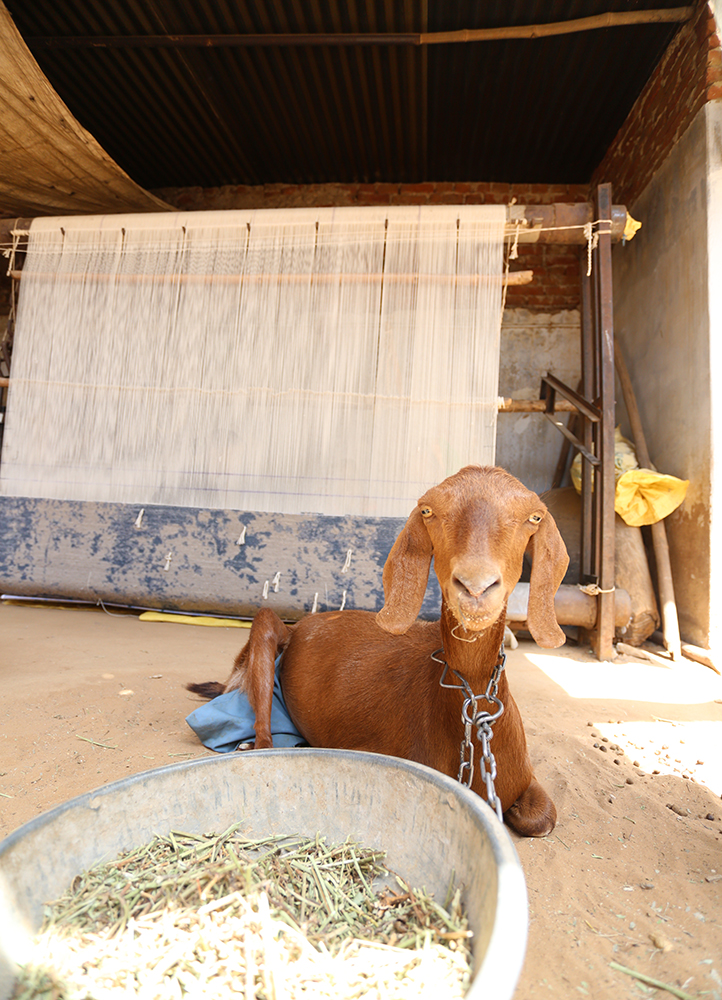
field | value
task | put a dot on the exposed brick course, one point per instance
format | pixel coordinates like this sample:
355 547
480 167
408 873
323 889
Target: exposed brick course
688 75
556 268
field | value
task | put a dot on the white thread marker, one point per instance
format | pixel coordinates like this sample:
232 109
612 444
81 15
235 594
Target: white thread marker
276 582
347 564
139 518
314 609
242 536
343 600
265 591
168 559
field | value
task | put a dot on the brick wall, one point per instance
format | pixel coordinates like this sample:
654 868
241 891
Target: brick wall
556 268
688 75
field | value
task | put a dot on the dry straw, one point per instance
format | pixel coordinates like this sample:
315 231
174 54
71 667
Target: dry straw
219 916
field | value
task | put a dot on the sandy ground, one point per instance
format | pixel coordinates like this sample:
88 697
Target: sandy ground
629 751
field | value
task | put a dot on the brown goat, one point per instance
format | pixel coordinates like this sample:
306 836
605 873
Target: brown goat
364 681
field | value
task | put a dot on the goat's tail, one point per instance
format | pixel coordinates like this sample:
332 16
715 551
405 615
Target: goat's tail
208 689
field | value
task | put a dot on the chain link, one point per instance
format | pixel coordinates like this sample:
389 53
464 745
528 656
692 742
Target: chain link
482 721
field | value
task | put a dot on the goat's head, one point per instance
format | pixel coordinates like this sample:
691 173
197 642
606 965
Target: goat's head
477 525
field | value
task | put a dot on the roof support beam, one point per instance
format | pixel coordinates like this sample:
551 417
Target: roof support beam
675 15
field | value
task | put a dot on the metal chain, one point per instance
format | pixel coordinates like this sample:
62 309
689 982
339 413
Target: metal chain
483 721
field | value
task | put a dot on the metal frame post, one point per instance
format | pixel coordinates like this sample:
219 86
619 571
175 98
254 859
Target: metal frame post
604 484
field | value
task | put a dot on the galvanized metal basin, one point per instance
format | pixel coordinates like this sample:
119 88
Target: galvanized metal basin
429 825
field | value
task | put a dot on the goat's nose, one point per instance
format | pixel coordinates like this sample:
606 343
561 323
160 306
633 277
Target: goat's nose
476 586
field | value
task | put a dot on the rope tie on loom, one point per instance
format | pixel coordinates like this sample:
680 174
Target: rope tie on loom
9 252
592 590
512 255
592 239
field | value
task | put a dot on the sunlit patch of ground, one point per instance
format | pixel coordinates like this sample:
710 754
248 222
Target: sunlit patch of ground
682 731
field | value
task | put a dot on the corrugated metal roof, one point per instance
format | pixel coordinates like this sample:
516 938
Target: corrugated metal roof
525 110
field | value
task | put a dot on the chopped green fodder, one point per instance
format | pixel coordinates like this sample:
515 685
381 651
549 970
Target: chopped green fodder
276 919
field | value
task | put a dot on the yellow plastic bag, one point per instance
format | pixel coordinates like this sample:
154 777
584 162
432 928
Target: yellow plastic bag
642 496
645 497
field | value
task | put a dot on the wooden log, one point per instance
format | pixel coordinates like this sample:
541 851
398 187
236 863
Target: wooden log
571 605
699 655
507 405
71 277
631 573
665 583
641 654
631 569
560 223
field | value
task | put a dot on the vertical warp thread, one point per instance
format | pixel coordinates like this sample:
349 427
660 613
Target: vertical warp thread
312 360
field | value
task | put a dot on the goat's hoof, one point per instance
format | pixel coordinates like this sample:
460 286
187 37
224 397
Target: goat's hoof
259 744
533 814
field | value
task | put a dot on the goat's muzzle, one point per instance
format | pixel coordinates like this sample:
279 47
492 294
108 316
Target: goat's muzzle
476 600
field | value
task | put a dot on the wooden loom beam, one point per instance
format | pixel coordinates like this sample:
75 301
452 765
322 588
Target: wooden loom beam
504 405
513 278
561 223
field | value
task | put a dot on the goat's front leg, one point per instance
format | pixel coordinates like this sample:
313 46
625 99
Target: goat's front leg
253 671
533 814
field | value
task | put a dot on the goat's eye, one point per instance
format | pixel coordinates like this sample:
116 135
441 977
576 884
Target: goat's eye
536 518
426 512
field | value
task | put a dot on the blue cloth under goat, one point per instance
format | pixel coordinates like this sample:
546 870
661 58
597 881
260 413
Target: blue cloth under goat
224 722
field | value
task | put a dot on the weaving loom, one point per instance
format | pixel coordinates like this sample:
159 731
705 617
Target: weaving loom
280 375
210 411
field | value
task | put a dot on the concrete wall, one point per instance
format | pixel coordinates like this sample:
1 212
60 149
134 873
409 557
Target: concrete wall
713 113
533 343
662 322
664 165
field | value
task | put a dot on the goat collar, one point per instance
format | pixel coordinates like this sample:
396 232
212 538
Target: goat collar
483 721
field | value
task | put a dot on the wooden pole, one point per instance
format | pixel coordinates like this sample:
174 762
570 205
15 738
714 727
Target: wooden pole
513 278
560 223
507 405
571 606
504 405
613 19
665 583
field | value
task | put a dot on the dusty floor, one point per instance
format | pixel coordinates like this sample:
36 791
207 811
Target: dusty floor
630 752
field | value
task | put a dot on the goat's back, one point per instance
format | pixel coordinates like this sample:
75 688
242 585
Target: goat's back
348 683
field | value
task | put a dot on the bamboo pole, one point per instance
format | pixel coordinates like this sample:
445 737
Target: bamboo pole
613 19
513 278
665 583
504 405
507 405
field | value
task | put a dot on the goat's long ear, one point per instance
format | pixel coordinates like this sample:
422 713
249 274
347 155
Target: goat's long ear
406 574
549 564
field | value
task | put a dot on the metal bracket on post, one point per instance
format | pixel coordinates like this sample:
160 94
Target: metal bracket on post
550 386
